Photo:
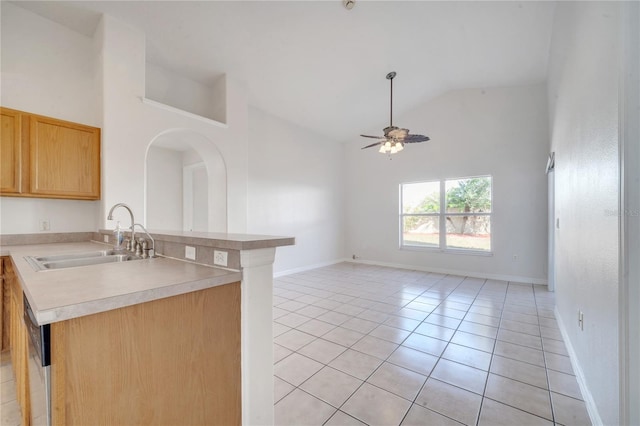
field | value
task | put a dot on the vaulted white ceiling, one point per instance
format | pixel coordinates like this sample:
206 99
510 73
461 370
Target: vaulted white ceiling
322 66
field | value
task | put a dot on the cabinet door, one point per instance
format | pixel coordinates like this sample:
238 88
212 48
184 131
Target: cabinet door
19 343
5 300
65 159
10 151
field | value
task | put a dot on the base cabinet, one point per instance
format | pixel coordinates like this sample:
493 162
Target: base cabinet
19 343
170 361
5 304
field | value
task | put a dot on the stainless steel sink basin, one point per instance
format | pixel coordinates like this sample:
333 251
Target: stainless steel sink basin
61 261
58 257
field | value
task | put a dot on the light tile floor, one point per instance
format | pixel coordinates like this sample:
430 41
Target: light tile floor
9 408
358 344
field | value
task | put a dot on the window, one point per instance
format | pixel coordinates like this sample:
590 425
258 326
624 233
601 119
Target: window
451 214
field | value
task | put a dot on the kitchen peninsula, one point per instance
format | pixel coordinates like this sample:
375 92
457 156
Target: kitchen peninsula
157 340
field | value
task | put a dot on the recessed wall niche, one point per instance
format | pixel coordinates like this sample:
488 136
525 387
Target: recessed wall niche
206 99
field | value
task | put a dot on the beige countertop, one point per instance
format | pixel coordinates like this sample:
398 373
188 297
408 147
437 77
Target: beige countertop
219 239
57 295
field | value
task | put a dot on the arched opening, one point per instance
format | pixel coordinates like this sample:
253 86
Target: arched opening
185 183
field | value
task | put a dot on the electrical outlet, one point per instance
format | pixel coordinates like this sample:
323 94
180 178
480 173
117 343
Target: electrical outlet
220 258
105 238
581 320
45 225
190 252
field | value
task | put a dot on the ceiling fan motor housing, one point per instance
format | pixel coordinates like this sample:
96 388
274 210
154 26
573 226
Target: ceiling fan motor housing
395 132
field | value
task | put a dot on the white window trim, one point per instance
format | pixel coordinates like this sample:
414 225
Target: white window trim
442 222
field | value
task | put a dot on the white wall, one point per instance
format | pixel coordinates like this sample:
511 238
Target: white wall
23 215
173 89
50 70
583 96
130 125
101 81
500 132
199 199
164 189
296 188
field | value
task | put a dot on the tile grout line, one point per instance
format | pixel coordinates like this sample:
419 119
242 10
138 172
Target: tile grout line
546 370
493 351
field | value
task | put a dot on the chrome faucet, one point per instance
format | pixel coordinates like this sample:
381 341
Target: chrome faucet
152 250
133 231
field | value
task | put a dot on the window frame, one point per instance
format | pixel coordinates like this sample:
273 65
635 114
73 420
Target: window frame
442 219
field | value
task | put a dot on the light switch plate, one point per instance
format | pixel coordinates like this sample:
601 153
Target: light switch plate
190 252
220 258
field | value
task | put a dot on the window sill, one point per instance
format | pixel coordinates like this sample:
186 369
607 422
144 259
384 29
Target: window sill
448 251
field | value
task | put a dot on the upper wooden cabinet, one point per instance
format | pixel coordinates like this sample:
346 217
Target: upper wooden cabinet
11 152
48 158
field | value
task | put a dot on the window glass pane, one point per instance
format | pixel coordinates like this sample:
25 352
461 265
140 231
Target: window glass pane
469 195
422 231
469 232
423 197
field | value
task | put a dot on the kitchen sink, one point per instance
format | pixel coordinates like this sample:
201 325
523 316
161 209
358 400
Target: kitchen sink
62 261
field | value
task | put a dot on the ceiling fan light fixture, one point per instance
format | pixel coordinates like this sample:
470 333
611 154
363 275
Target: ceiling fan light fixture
391 147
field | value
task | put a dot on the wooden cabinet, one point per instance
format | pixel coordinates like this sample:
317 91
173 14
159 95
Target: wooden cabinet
48 158
19 342
169 361
5 306
11 151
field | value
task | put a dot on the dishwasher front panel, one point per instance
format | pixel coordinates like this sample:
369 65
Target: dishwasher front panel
38 389
39 369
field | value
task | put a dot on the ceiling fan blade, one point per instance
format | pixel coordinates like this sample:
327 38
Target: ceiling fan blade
374 137
415 138
372 145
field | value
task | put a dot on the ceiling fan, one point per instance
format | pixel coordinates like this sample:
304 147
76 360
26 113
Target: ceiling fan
394 137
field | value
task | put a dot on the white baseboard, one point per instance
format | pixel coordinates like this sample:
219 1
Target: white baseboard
306 268
501 277
592 409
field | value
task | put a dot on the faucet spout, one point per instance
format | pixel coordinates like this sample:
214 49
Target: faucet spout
133 231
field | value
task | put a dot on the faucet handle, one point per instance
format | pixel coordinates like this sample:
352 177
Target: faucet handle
144 248
138 246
